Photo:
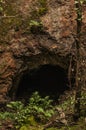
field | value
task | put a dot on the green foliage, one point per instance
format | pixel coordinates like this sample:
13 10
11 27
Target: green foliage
31 127
6 115
38 108
43 2
36 26
31 121
23 128
68 105
80 1
35 23
1 7
16 106
83 104
78 8
43 7
42 11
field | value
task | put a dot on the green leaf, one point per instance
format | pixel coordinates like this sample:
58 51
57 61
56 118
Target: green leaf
1 9
23 128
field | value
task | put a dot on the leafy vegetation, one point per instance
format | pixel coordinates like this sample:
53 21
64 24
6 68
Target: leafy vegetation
38 112
35 23
39 109
1 7
36 26
42 7
40 106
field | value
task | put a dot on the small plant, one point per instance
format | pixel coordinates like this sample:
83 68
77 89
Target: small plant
38 108
42 11
43 2
68 105
35 23
42 7
41 107
1 6
16 106
36 26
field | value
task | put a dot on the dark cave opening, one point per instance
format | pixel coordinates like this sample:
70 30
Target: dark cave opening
48 80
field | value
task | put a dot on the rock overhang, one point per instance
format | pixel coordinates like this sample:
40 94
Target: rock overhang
21 50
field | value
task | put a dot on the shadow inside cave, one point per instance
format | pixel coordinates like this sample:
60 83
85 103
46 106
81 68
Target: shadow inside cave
48 80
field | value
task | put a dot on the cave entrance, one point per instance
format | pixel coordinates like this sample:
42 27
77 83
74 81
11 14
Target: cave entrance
48 80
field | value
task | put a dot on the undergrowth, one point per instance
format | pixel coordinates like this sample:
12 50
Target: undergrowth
40 110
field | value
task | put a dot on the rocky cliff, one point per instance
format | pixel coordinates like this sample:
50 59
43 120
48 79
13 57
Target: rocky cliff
34 33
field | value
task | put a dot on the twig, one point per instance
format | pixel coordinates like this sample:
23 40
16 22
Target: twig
59 117
1 17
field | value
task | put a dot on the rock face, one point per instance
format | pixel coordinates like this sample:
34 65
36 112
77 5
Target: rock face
35 33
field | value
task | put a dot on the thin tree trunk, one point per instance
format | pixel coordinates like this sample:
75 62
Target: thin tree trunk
78 62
